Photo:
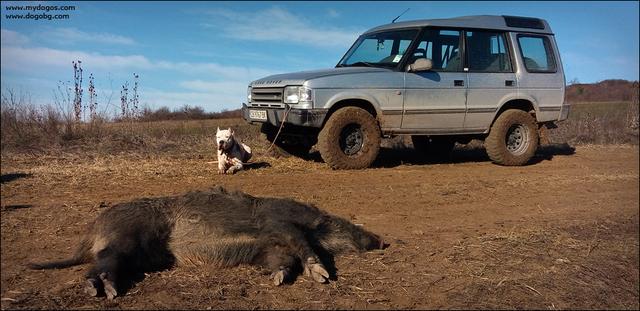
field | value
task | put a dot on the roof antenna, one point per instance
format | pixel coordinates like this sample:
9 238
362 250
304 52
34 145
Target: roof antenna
394 20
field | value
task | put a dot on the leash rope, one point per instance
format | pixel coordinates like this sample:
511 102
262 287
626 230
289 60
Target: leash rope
284 119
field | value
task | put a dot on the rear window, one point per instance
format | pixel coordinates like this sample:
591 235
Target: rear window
537 53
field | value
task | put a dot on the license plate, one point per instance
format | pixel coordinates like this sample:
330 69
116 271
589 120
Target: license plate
258 114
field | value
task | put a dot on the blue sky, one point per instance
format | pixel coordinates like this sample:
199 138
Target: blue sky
205 53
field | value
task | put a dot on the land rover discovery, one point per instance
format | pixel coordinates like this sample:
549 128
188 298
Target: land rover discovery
442 81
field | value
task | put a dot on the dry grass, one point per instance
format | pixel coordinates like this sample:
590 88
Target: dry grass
522 257
29 130
599 123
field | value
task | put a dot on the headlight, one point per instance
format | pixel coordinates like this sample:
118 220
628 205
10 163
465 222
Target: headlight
297 94
248 94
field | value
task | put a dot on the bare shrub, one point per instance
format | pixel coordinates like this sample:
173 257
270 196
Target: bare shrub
632 118
124 101
598 123
93 99
186 112
129 107
77 81
25 125
135 99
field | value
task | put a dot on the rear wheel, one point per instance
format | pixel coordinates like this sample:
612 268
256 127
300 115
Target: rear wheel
513 139
350 139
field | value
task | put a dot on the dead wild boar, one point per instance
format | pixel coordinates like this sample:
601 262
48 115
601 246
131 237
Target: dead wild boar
212 227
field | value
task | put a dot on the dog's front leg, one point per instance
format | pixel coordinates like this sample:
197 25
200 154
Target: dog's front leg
222 162
236 165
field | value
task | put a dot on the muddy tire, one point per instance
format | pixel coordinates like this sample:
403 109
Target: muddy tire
513 138
281 148
434 147
350 139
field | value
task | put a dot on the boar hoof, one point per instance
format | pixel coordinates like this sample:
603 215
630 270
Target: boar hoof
316 270
91 287
109 287
279 277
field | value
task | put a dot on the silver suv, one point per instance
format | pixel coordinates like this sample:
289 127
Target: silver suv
442 81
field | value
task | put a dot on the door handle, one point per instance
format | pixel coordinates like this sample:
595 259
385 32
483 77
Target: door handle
509 83
458 82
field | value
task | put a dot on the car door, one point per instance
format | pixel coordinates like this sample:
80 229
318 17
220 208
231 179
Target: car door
435 100
492 80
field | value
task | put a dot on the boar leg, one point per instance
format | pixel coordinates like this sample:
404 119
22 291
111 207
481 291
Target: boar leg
103 275
296 241
280 261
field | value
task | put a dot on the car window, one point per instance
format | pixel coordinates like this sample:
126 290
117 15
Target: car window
536 54
442 47
385 48
487 52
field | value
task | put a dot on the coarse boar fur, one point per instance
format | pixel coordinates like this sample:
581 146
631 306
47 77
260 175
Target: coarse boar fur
212 227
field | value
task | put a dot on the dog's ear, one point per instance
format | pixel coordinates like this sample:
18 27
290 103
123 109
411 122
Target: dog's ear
218 129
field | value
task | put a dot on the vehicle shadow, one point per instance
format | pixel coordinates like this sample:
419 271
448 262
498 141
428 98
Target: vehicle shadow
392 157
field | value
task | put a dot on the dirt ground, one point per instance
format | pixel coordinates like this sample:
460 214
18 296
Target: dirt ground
560 233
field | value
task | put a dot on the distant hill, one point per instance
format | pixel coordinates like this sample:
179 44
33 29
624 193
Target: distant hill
607 90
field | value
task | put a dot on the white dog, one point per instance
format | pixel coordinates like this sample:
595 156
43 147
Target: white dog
232 154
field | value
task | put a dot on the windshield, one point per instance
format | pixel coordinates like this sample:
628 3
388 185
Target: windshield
379 49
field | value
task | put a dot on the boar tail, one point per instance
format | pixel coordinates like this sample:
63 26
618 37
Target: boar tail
82 255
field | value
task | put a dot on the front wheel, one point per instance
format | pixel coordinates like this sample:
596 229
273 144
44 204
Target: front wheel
513 138
350 139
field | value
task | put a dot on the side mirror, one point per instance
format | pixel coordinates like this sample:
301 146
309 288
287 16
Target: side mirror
421 64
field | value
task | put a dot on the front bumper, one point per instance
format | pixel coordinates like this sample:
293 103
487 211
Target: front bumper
300 117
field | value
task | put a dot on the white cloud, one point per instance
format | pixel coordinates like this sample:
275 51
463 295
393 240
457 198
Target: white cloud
276 24
333 13
213 69
9 37
207 86
213 86
76 35
215 99
28 59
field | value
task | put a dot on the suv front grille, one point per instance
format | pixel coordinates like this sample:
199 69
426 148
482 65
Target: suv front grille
266 95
